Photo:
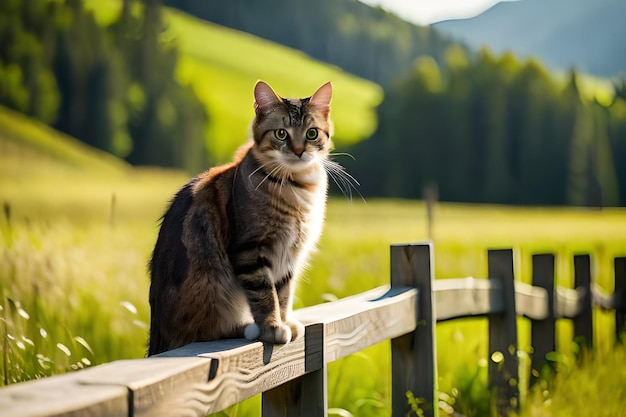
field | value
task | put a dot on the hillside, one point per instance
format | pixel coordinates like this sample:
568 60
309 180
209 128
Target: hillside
562 33
222 65
29 148
224 74
360 39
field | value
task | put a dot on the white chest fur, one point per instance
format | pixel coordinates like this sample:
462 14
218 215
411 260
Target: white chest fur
311 203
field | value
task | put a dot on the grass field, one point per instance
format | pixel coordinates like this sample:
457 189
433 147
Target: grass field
77 228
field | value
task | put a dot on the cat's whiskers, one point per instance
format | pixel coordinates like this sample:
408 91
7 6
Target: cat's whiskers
344 180
274 170
258 169
342 154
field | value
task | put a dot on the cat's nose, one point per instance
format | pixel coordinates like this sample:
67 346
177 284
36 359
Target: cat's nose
298 152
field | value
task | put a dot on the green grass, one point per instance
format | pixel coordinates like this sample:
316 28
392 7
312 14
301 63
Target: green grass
25 139
75 233
222 65
81 226
596 387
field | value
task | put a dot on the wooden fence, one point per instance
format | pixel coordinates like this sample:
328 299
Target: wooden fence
203 378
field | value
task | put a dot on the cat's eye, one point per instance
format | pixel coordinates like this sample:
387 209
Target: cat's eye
280 134
311 134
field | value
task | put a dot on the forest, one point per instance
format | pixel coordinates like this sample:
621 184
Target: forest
113 88
493 129
480 127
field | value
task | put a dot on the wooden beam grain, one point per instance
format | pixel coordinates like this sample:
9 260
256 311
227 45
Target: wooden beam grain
251 369
467 297
63 396
159 386
355 323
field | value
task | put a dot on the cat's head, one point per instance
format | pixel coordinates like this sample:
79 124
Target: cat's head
294 133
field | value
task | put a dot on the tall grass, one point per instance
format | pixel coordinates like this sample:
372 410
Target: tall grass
595 387
73 278
74 285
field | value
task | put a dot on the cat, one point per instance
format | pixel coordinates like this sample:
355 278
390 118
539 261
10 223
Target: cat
235 239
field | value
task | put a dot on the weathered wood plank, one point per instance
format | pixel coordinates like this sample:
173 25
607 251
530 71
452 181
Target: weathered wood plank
414 354
383 319
619 294
350 325
503 366
467 297
319 312
63 396
159 386
307 394
583 322
470 297
543 329
568 302
602 299
248 370
353 324
530 301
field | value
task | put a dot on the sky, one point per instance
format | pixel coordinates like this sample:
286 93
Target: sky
425 12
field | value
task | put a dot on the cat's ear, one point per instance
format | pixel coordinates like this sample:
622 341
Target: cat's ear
323 96
264 95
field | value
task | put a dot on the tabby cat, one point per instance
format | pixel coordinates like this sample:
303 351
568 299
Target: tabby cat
236 237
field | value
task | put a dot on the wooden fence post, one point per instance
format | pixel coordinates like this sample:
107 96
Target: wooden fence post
305 395
503 364
413 355
619 295
543 332
583 322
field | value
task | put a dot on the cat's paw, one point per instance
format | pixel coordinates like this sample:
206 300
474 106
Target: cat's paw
252 331
271 334
297 329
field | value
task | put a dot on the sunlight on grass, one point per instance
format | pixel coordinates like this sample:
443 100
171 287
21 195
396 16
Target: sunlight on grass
76 275
74 250
594 388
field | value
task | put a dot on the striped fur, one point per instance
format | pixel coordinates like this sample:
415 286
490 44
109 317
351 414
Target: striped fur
236 238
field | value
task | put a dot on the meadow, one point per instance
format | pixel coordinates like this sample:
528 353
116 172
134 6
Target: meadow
77 228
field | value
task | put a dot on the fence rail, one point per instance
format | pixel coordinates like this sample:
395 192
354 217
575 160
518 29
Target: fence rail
203 378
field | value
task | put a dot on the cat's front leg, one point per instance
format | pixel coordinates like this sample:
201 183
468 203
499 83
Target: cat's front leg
268 325
285 291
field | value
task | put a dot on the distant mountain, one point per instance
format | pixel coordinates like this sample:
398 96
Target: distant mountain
587 34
